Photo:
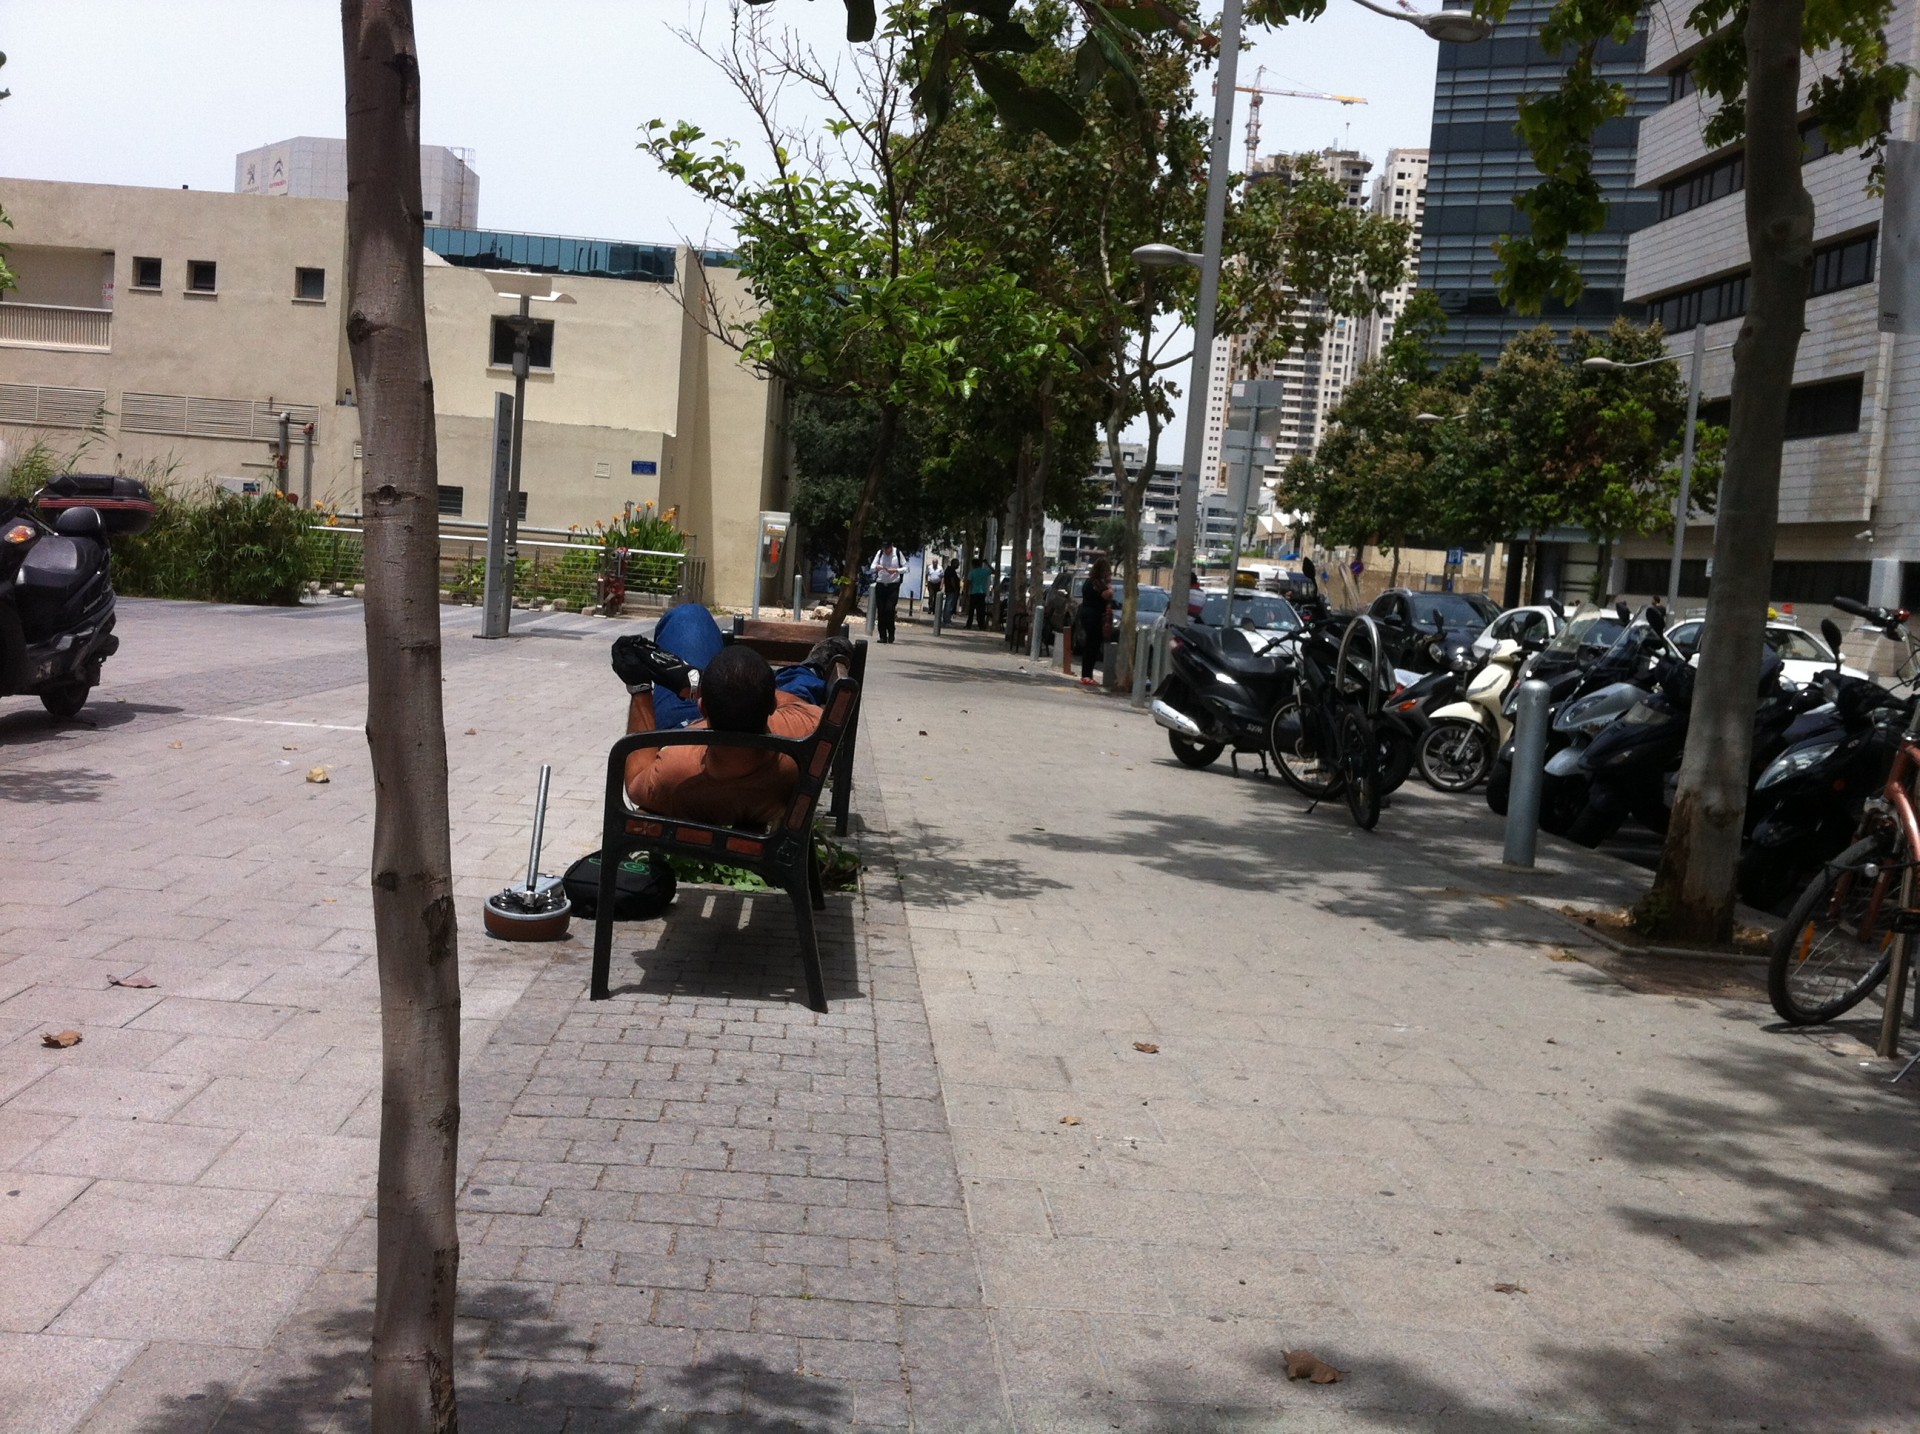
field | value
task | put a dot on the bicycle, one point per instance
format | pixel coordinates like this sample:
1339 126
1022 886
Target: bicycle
1842 938
1322 739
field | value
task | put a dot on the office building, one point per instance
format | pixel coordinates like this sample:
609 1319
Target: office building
1159 510
171 328
1850 479
1399 192
1478 162
308 167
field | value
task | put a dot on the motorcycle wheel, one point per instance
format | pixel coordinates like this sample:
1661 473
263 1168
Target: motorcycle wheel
1561 802
1454 756
1499 781
1307 771
1833 948
1360 765
1593 826
1191 753
1396 759
66 700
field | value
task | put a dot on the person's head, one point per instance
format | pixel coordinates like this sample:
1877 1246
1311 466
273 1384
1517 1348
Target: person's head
736 691
1100 571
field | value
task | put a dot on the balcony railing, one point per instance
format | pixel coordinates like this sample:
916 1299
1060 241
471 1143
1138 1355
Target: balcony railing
52 326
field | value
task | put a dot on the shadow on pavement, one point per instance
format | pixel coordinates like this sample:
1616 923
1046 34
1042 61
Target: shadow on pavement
1773 1372
516 1372
722 944
53 788
33 725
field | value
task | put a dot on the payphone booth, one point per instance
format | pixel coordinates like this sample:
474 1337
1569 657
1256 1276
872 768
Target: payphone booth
774 562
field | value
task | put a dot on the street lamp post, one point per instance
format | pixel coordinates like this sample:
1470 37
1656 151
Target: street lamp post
1452 26
1602 364
501 567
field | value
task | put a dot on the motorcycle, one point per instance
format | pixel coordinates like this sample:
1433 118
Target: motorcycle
56 593
1456 752
1220 692
1323 738
1409 715
1805 807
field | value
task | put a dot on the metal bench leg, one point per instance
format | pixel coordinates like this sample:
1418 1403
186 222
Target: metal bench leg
815 885
809 949
611 855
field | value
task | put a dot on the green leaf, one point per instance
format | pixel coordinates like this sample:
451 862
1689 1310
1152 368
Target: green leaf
1026 106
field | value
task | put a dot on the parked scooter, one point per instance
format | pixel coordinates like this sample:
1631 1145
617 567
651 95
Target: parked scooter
56 596
1408 716
1805 807
1457 750
1220 692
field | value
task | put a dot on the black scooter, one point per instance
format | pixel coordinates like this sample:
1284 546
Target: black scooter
1805 807
56 594
1219 692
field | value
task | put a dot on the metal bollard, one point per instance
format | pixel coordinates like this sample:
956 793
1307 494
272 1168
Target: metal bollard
1142 655
1529 773
796 597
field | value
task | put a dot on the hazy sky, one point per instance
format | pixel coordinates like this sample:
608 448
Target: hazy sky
549 96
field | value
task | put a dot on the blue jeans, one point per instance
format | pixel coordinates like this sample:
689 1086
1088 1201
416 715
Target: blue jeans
690 634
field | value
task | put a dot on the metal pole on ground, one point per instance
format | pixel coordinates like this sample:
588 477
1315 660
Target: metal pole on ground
1529 772
1142 651
796 596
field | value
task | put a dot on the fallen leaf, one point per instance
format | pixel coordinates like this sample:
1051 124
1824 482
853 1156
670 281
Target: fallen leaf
176 746
289 747
1069 1120
318 776
1305 1364
1146 1048
473 732
133 983
923 731
60 1040
1505 1287
1561 956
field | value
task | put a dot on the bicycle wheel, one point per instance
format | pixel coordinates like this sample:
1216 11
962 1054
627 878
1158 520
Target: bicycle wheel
1360 765
1833 948
1308 770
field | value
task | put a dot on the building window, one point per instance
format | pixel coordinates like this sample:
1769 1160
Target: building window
1814 410
146 273
1703 186
453 501
310 284
1818 582
201 276
1845 265
539 344
1649 575
1680 83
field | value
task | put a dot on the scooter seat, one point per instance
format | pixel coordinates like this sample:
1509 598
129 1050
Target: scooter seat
56 567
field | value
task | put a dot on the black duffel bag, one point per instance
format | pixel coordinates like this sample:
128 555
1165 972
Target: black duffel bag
643 887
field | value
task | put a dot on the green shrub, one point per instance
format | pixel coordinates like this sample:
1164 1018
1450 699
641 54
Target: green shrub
226 547
648 531
29 472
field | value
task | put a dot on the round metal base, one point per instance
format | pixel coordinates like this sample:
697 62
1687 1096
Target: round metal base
511 924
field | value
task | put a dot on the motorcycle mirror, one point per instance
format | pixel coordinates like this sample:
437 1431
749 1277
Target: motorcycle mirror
1657 619
1623 612
1830 630
1553 606
1307 567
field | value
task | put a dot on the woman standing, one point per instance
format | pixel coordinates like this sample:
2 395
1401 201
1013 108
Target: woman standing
1096 601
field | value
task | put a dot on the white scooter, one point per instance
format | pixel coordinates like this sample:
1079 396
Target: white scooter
1457 751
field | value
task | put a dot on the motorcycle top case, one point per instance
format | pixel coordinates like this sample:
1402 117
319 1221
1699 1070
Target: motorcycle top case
125 505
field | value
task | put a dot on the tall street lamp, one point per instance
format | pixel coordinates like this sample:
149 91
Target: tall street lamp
1601 364
504 533
1451 26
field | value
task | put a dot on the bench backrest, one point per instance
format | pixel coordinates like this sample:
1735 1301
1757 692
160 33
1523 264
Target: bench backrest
836 713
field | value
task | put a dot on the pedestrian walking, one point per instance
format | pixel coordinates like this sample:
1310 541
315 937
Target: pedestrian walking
978 581
1057 615
889 568
1096 603
950 589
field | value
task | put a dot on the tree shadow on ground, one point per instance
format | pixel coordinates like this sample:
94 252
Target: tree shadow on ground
516 1372
1769 1372
717 943
1822 1154
910 669
53 788
937 862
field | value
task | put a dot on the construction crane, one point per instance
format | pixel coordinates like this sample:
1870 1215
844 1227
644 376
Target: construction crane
1260 91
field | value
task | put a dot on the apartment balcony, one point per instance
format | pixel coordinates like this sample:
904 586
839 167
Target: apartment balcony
53 326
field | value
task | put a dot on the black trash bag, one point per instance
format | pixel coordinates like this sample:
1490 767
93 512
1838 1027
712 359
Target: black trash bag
643 887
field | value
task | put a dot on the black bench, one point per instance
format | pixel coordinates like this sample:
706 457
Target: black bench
782 643
783 857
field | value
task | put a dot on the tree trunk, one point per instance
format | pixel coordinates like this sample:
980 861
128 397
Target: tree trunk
857 525
1601 588
1393 576
1693 893
415 932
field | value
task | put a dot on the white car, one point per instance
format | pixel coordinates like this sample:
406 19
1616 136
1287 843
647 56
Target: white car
1520 624
1803 657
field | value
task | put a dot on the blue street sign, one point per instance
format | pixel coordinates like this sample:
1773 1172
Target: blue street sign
645 466
1456 556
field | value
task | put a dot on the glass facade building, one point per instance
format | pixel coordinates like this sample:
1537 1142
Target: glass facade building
1478 163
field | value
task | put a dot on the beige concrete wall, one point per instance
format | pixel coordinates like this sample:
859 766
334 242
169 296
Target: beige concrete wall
80 278
635 377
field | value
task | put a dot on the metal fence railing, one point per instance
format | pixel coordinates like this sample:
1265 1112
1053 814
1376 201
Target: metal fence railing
555 566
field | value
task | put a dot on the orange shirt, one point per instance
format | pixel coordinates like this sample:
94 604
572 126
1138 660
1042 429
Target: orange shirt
723 786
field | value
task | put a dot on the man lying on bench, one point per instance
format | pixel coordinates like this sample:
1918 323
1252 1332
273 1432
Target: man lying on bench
689 678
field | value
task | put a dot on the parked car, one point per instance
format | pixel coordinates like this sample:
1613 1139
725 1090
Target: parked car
1431 632
1272 617
1803 657
1152 602
1528 626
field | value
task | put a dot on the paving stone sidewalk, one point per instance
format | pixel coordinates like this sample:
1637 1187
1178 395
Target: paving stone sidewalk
1135 1078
